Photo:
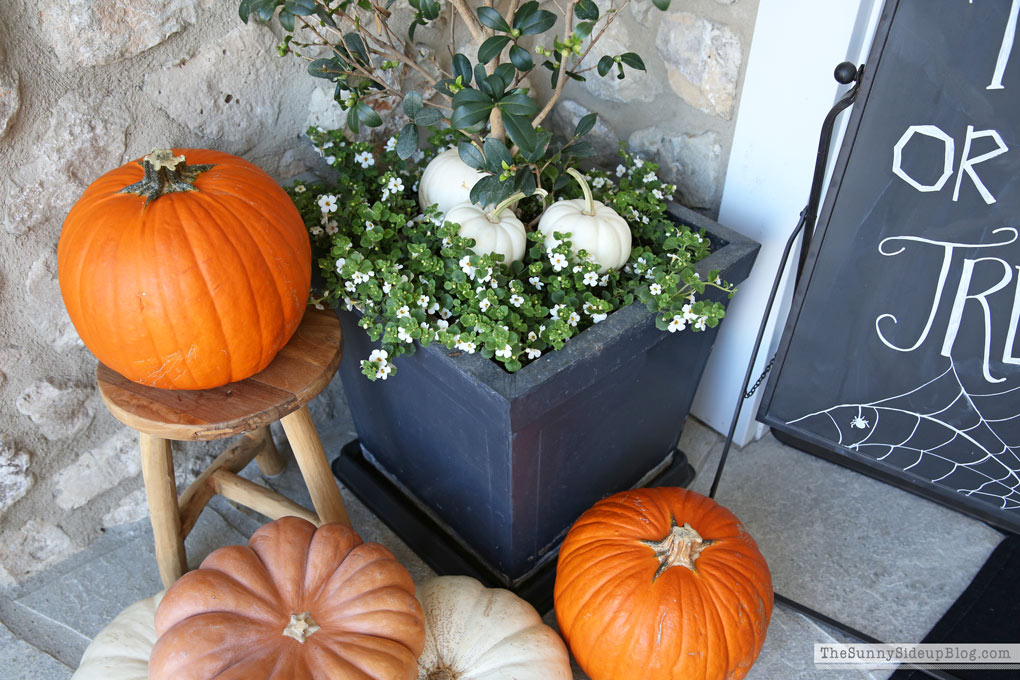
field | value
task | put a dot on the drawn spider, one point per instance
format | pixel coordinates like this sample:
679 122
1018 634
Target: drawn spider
860 422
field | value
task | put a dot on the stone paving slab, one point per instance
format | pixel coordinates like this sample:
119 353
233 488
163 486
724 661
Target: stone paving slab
21 661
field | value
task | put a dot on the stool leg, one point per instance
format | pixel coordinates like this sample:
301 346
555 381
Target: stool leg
161 490
304 440
269 459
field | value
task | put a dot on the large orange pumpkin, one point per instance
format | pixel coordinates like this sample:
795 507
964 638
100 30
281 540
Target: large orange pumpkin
662 584
298 603
187 269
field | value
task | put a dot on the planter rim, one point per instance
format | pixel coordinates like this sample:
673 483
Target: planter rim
735 249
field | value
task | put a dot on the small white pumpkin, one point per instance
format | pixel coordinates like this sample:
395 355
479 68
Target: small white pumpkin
497 231
447 181
478 633
121 650
593 226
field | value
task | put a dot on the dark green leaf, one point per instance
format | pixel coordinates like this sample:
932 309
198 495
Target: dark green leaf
537 22
562 181
605 65
535 155
479 73
365 5
491 48
462 68
516 103
521 58
524 181
490 18
582 30
485 190
496 155
661 4
356 47
507 73
264 9
326 16
470 154
287 21
244 10
414 24
428 116
412 104
407 142
586 10
470 107
430 9
580 149
444 86
301 8
352 120
585 125
494 86
633 60
520 132
525 11
322 68
367 116
574 76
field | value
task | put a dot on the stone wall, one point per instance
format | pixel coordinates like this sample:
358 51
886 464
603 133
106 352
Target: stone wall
87 85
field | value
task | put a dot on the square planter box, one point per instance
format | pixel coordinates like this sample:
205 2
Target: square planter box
505 462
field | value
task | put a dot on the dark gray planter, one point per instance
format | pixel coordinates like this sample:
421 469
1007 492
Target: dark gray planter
506 462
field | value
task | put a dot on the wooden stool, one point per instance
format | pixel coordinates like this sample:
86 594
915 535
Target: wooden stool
300 371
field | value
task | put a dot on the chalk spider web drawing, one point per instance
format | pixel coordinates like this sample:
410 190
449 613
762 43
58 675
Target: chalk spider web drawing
967 444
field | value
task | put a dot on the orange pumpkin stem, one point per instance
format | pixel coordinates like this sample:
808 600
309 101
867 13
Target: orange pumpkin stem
165 173
301 627
680 547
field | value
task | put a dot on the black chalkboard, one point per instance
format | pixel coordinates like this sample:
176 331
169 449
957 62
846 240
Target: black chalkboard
900 357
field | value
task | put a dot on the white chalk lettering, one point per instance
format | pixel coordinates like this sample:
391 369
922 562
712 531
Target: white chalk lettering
947 166
1006 48
967 163
962 295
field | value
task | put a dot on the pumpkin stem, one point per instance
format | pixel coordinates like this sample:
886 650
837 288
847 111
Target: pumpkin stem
165 173
301 627
494 215
680 547
589 202
441 674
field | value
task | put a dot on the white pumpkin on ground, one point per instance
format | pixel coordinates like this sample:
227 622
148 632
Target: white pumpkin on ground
593 226
121 650
495 231
478 633
447 181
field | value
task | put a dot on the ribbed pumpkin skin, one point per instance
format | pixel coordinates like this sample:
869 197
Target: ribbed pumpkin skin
194 290
224 621
620 622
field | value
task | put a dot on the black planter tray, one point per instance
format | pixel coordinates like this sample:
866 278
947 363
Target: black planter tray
440 547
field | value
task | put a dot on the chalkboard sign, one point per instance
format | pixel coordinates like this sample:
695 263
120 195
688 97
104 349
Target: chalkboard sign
900 357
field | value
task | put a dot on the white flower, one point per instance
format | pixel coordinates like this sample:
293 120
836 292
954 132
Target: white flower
365 159
340 262
331 159
395 185
505 352
604 281
536 282
445 313
423 301
349 286
516 300
688 313
378 356
488 275
638 162
718 281
655 289
369 225
404 312
468 347
532 336
403 335
447 242
700 323
484 304
299 188
591 279
677 324
433 308
315 231
383 371
577 269
391 143
599 182
327 203
348 303
465 266
533 353
596 318
620 171
650 177
558 260
588 307
331 227
386 288
657 194
573 318
555 311
328 145
442 325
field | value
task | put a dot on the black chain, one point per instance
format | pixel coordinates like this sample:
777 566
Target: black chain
750 393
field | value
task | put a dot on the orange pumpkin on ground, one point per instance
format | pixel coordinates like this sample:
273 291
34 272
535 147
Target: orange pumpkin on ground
187 269
298 603
662 584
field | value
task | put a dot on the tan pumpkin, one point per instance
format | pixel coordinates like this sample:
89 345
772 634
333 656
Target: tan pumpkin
121 650
479 633
662 584
298 603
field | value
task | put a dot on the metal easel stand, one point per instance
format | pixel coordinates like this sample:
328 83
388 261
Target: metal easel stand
845 74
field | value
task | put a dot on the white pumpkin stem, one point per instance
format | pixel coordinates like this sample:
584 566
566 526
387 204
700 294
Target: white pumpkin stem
441 674
589 202
494 215
681 547
301 627
165 173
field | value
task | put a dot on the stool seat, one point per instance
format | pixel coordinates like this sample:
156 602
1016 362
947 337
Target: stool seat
302 369
280 392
